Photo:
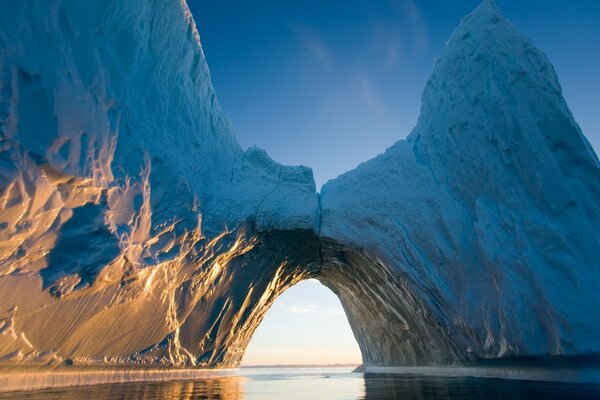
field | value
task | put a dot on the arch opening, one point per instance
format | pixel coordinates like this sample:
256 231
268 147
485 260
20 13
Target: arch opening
306 325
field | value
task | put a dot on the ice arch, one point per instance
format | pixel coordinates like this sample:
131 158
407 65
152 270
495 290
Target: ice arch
474 239
391 324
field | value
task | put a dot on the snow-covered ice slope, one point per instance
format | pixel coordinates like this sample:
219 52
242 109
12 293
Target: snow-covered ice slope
116 161
108 107
118 92
491 207
134 230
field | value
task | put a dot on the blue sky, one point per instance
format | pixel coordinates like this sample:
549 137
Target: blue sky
332 83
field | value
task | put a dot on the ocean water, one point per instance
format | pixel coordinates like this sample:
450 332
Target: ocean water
321 383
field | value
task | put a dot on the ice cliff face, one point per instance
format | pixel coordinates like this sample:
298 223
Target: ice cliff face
135 230
490 208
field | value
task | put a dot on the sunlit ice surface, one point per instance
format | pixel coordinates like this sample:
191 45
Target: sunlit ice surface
322 383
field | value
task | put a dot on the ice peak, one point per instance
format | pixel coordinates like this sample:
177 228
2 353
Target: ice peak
485 38
486 64
485 17
487 8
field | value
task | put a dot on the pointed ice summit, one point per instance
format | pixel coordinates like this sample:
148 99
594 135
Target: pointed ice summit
134 230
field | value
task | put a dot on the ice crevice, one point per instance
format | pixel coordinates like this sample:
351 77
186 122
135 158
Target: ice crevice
135 230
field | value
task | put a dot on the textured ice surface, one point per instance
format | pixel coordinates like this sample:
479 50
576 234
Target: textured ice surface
491 207
135 230
117 169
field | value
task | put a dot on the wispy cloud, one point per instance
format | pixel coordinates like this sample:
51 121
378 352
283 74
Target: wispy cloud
370 94
388 40
397 36
312 309
312 42
418 27
366 90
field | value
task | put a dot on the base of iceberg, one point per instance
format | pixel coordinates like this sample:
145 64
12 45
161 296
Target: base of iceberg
12 380
539 374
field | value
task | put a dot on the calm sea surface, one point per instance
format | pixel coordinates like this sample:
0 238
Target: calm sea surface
321 383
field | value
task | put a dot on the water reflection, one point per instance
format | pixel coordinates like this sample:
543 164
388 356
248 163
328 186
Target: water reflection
313 383
210 389
382 387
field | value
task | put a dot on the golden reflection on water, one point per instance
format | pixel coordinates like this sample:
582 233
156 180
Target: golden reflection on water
228 388
277 384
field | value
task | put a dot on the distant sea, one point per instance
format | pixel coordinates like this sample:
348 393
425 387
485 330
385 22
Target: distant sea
314 383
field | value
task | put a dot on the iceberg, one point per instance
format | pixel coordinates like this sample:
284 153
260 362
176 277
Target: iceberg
489 210
135 231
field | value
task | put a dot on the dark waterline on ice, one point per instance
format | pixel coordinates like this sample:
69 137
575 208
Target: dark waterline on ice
321 383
